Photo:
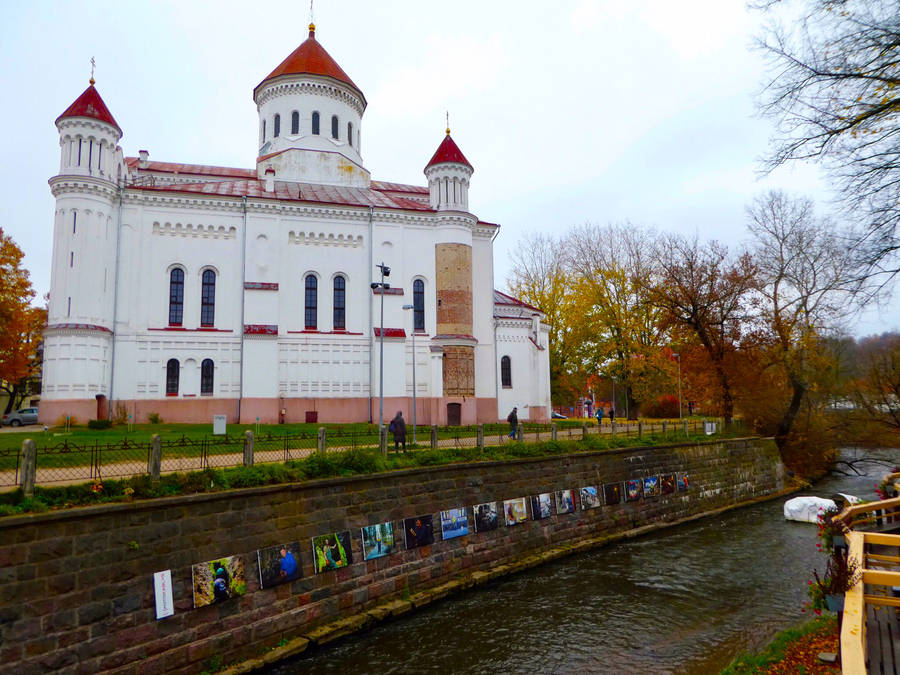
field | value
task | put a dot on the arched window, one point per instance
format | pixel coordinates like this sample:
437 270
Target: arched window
334 126
264 131
176 296
206 377
419 305
315 123
208 299
276 127
505 372
312 302
349 133
173 371
295 123
340 304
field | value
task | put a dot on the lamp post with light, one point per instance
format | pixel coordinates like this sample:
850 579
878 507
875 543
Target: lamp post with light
385 272
412 307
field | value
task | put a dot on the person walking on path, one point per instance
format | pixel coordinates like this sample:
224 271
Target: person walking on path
612 414
398 428
513 420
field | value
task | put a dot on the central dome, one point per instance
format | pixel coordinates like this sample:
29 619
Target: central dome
310 58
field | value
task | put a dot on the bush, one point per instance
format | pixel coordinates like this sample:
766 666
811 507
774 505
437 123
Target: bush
99 424
154 418
665 407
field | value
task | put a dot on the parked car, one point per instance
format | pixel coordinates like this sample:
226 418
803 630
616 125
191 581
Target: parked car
20 417
556 416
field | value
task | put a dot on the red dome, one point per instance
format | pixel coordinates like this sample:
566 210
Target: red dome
448 153
312 59
89 104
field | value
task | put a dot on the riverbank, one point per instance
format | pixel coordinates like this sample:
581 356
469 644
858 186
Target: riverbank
795 650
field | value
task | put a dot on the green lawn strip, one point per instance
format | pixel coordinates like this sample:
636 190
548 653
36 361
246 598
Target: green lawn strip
747 663
352 462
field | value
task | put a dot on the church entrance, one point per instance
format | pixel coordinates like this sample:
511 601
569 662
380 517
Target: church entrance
454 414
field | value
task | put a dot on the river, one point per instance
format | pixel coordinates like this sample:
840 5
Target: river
685 600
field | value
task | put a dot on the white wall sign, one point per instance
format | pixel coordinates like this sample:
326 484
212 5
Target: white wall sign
162 585
219 425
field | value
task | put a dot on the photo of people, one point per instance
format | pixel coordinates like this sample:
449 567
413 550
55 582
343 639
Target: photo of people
378 541
541 506
667 483
418 531
278 564
651 487
331 551
485 516
515 511
633 490
589 497
612 493
565 503
218 580
454 523
681 481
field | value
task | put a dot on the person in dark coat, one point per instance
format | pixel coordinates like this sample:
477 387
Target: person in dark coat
398 428
513 420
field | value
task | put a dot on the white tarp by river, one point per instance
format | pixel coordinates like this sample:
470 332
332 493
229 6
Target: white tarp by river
807 509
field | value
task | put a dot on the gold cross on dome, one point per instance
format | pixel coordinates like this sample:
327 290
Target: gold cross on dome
448 122
93 63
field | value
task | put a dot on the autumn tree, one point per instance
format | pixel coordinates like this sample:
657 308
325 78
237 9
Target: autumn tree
700 288
20 324
876 391
835 95
804 274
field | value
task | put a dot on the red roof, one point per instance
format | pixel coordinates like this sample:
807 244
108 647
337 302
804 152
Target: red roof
448 153
501 298
89 104
310 58
192 169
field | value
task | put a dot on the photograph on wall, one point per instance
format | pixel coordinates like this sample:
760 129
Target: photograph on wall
278 564
332 551
418 531
454 523
515 511
378 541
218 580
651 487
541 506
667 483
633 490
612 493
681 481
590 499
485 516
565 503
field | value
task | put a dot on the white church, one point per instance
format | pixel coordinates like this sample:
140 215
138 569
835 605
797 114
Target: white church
257 293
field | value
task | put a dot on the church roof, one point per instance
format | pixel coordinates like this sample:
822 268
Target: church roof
202 170
508 300
448 152
310 58
89 104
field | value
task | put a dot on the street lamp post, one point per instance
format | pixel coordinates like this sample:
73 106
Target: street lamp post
678 358
385 272
414 369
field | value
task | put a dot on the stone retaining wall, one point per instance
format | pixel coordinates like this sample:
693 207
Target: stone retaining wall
76 588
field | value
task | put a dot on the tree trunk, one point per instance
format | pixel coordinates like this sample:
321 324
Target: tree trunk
787 420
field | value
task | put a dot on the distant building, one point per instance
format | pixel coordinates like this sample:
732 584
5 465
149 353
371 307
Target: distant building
191 290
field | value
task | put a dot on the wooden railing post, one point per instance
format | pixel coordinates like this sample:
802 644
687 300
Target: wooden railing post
382 441
553 431
320 440
481 438
248 448
29 466
154 464
434 438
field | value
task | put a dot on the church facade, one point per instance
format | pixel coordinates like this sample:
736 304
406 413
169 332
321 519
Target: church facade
257 293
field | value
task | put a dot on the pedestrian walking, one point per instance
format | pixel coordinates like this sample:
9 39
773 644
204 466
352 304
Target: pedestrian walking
513 420
398 428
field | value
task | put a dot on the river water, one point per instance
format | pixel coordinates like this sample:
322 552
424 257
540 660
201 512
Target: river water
685 600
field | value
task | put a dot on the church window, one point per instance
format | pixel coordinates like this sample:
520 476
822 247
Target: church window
276 127
79 152
418 305
69 307
295 123
264 131
505 372
71 258
208 299
173 371
90 152
350 133
176 296
99 156
334 126
315 123
340 304
74 221
206 377
312 302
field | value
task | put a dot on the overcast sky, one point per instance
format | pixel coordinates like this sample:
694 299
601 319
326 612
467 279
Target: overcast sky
570 112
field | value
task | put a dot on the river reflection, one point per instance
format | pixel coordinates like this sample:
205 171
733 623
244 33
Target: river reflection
686 600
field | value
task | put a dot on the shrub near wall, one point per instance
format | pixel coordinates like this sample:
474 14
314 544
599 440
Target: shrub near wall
76 591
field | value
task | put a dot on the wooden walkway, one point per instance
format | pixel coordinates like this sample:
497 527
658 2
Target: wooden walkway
882 624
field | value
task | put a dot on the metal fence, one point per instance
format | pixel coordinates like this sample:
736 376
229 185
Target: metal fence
72 462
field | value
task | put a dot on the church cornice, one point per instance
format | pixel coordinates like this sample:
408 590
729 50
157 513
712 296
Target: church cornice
310 85
73 184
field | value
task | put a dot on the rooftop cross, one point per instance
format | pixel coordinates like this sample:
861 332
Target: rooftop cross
94 63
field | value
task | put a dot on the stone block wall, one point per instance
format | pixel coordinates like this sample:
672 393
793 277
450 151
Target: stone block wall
76 588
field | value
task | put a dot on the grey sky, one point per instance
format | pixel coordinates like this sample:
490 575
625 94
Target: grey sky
570 111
